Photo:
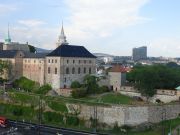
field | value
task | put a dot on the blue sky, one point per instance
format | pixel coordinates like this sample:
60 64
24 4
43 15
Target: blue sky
106 26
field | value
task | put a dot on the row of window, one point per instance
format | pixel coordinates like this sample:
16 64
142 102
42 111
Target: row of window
30 67
29 61
74 61
73 71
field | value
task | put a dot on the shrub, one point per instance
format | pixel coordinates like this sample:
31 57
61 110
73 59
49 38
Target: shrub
75 84
58 106
72 120
26 84
103 89
44 89
53 117
79 93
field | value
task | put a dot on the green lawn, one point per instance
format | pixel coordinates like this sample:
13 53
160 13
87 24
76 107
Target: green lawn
109 98
114 98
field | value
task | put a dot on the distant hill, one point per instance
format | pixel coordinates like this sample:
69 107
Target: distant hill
40 50
103 55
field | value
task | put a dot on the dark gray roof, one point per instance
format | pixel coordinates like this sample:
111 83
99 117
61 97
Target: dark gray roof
71 51
35 55
8 53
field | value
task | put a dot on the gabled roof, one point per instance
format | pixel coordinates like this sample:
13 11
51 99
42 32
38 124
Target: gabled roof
71 51
8 53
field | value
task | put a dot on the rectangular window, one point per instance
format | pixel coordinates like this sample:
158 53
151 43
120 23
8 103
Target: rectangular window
52 61
79 61
55 70
73 61
67 61
49 70
84 70
84 61
55 61
49 61
90 61
34 61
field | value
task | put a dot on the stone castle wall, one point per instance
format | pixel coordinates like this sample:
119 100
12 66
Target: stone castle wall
127 115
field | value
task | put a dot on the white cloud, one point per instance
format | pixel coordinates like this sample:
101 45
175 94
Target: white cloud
6 8
169 47
100 17
31 22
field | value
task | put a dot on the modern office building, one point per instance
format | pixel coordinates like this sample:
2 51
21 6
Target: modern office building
139 53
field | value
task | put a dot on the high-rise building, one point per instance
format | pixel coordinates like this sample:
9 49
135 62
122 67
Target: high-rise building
139 53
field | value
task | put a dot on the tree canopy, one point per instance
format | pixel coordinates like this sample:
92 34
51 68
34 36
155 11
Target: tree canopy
149 78
90 83
32 48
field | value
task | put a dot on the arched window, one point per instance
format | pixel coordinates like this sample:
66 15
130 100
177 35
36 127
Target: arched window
79 70
67 70
89 70
73 70
55 70
84 70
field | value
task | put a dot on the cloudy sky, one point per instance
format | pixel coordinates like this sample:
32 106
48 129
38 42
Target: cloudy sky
106 26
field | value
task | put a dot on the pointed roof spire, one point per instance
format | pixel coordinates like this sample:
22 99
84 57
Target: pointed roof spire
62 37
62 30
8 38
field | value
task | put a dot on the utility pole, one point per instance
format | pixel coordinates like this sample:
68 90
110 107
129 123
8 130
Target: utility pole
40 114
163 120
95 119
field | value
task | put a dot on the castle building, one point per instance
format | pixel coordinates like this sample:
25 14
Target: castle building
65 64
9 45
117 77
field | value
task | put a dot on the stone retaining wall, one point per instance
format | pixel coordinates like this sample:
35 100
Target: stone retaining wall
129 115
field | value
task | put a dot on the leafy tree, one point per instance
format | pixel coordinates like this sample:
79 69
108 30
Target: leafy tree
90 83
75 84
4 68
26 84
149 78
32 48
172 65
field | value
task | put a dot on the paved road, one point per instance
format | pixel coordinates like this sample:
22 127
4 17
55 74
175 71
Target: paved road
33 129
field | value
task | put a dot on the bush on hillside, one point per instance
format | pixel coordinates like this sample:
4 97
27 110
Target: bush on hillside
72 120
79 93
52 117
103 89
44 89
26 84
75 84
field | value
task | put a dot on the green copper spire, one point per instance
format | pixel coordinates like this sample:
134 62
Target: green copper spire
8 38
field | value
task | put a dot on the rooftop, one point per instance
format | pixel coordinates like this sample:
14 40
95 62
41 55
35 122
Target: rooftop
118 68
8 53
71 51
35 55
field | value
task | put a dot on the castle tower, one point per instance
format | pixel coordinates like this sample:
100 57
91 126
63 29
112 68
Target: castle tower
62 38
